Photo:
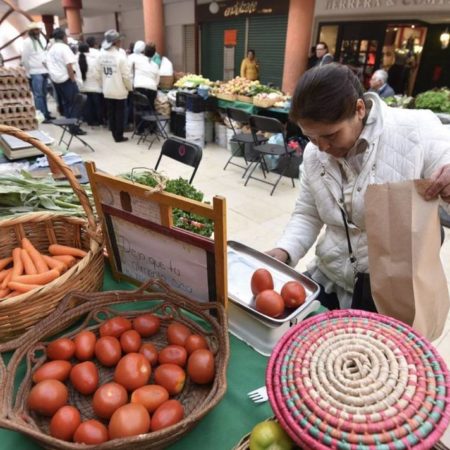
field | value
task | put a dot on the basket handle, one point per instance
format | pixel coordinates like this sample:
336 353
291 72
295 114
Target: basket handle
150 283
65 169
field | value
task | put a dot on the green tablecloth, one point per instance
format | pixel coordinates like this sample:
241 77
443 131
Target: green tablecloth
249 107
223 427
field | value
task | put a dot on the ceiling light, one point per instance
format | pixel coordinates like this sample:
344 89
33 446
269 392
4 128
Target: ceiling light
213 7
445 38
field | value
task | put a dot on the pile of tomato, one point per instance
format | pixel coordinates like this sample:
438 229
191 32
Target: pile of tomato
139 399
270 302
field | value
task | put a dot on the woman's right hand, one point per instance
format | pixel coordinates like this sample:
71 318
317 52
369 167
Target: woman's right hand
278 253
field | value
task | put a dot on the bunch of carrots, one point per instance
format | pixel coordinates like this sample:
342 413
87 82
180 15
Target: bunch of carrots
30 269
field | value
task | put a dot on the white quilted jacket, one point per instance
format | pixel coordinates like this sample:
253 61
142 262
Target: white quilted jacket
408 144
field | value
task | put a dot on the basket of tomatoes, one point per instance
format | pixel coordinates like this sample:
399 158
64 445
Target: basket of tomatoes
119 370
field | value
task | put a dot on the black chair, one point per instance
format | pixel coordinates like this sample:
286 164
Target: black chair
260 124
244 140
72 125
182 151
155 123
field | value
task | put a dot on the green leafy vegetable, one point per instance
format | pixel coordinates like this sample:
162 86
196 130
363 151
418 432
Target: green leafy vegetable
438 100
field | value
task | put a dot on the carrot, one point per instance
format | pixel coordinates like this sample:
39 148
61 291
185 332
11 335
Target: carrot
4 293
13 294
39 278
66 259
22 287
3 274
17 269
35 256
56 249
28 264
55 264
7 280
5 261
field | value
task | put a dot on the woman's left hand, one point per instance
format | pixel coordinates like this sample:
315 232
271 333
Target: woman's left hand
440 184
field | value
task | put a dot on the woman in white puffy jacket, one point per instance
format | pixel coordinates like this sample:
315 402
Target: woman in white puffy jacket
355 140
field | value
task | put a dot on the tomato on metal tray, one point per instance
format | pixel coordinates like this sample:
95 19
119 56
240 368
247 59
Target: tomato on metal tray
261 280
108 398
294 294
65 422
270 303
129 420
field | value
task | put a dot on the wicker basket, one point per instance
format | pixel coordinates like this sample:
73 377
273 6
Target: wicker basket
91 310
264 102
244 99
228 97
44 228
166 81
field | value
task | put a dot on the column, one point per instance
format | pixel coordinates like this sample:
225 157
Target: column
47 19
154 23
72 8
298 39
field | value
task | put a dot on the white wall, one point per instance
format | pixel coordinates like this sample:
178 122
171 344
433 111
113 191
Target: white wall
179 13
98 24
175 46
132 26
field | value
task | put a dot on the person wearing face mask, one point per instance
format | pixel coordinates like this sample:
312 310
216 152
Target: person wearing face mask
355 140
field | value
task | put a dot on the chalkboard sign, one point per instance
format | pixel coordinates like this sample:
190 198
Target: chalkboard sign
143 243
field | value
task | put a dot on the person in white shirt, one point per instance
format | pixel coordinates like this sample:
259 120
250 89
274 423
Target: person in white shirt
61 62
33 58
116 82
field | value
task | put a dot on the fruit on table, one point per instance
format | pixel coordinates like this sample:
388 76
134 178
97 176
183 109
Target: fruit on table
115 327
270 303
169 413
65 422
91 432
47 397
84 377
201 366
63 348
270 436
132 371
170 376
150 396
53 370
293 294
177 333
85 345
108 351
261 281
130 341
150 352
147 324
173 354
129 420
108 398
195 342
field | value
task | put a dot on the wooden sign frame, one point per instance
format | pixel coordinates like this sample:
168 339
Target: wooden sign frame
152 211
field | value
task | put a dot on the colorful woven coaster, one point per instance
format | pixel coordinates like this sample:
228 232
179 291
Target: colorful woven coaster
352 380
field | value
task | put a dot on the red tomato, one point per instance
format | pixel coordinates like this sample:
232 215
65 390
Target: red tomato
65 422
173 354
84 377
147 325
169 413
201 366
170 376
195 342
85 345
129 420
91 432
132 371
150 352
108 351
177 333
150 396
261 280
130 341
293 294
53 370
270 303
63 348
108 398
47 397
115 327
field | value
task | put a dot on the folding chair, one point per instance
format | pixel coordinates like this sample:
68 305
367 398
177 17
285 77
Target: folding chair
260 124
182 151
156 123
244 140
74 122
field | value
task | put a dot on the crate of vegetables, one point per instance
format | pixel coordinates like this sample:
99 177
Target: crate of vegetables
137 370
44 255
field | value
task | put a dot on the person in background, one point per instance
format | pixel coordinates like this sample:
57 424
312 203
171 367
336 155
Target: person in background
322 54
91 41
250 67
156 58
379 84
116 82
88 62
33 59
129 50
355 140
61 62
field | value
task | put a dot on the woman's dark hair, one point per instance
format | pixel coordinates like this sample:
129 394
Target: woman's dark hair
325 46
326 94
149 50
91 41
251 51
58 34
82 62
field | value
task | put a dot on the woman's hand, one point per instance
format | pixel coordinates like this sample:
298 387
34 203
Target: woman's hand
440 184
279 254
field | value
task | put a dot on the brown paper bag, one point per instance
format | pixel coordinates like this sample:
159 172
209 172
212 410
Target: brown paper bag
404 240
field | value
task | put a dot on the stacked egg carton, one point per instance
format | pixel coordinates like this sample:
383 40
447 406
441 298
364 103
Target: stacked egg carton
16 101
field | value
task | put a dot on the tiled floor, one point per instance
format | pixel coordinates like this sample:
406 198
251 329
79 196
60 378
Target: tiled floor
254 217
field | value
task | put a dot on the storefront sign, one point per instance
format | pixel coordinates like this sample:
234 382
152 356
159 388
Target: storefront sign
230 38
348 6
242 8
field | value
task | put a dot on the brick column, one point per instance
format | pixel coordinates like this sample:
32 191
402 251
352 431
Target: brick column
72 8
298 39
154 23
48 21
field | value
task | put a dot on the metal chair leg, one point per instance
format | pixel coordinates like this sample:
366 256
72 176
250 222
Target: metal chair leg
251 172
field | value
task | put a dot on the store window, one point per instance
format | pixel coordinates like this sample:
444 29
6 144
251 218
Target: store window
329 35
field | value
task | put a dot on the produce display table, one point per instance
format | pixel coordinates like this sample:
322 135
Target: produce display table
250 108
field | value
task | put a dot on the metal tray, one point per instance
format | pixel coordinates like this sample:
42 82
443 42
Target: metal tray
243 261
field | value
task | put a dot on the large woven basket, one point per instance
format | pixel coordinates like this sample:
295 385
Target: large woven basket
91 310
358 380
44 228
